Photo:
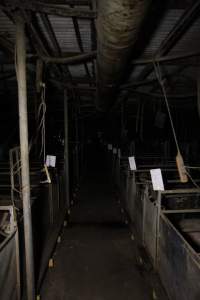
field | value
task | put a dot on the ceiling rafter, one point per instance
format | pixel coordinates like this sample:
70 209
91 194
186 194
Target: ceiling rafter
49 9
41 44
93 36
75 59
166 59
35 36
66 2
187 19
79 41
52 36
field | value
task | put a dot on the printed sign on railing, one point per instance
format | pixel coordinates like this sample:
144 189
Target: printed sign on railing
157 180
132 163
51 161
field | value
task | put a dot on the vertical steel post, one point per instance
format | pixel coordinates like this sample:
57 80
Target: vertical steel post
66 149
23 128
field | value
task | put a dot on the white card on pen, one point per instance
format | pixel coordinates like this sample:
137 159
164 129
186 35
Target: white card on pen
132 163
109 146
114 151
51 161
157 180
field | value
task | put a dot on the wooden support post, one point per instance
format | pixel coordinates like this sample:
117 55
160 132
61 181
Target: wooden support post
66 149
24 150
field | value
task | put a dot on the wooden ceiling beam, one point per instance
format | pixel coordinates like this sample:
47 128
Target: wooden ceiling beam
76 59
183 24
39 7
65 2
80 43
54 41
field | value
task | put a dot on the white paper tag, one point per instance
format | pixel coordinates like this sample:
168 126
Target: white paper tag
51 161
132 163
114 151
157 180
109 146
119 153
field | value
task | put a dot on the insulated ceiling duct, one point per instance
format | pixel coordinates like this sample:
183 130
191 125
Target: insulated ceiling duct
118 24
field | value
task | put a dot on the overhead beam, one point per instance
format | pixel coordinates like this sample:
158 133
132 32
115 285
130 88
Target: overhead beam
42 46
53 38
66 2
51 33
39 42
166 58
79 41
50 9
93 37
76 59
187 19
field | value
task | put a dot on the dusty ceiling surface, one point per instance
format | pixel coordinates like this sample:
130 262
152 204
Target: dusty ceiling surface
63 34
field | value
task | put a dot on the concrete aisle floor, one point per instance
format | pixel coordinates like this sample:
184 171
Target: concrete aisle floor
96 259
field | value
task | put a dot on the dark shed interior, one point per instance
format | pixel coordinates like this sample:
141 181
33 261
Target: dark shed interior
100 149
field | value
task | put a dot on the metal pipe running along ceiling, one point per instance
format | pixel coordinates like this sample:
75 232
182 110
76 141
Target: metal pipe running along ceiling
118 24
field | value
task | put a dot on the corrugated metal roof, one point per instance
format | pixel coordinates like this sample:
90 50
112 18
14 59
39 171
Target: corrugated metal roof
85 30
65 33
167 23
190 40
67 40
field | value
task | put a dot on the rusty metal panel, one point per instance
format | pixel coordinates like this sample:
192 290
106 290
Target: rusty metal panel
178 263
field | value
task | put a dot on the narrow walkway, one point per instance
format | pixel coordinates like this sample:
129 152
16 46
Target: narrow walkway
96 259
